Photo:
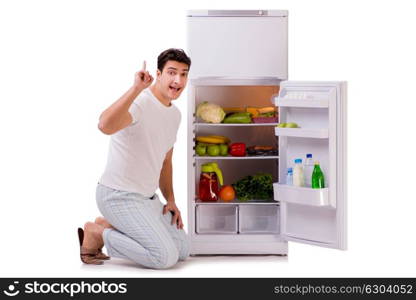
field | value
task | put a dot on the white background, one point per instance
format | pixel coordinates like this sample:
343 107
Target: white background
63 62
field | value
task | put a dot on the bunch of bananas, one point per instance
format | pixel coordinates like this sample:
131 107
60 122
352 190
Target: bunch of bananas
213 139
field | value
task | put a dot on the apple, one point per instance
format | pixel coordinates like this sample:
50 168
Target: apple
291 125
201 149
213 150
223 149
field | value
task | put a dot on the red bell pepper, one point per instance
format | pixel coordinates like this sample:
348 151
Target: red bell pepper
237 149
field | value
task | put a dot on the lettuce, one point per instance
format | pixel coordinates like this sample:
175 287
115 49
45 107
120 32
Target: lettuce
210 112
256 187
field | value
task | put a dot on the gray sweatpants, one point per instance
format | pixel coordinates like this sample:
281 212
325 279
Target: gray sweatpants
142 233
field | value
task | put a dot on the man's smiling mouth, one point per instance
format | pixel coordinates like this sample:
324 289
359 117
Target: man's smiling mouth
174 89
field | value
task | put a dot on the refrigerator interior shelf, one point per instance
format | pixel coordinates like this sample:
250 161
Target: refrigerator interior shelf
235 124
313 103
237 157
302 132
302 195
236 202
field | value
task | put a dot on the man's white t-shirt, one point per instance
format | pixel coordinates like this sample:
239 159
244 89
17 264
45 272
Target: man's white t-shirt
136 153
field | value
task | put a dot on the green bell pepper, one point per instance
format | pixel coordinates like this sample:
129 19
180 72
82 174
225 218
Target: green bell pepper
243 118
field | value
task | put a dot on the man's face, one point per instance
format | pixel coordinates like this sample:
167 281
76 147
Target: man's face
173 79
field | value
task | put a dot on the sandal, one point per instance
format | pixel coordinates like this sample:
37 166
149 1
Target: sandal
100 254
88 256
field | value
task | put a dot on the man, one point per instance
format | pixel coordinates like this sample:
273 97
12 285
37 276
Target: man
143 125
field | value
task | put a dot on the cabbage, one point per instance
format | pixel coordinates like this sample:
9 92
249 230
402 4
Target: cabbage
210 112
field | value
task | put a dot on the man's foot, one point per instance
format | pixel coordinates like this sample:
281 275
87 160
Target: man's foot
93 236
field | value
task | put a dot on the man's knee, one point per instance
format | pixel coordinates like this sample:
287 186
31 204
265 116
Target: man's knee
164 257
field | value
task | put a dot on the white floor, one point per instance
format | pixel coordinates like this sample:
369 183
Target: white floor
200 266
303 261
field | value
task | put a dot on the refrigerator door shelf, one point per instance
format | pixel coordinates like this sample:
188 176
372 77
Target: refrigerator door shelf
302 195
306 94
312 103
302 132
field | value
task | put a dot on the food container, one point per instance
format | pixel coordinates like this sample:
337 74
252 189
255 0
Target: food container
264 120
210 179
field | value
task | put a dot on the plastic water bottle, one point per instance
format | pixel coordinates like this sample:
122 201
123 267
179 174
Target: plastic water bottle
318 180
289 176
308 169
298 175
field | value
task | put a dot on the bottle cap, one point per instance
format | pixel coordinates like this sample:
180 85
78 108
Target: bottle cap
308 155
290 170
316 162
298 161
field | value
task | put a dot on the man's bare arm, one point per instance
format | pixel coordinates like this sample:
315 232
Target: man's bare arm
165 180
117 116
166 187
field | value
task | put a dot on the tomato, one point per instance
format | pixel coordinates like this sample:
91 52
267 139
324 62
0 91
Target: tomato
227 193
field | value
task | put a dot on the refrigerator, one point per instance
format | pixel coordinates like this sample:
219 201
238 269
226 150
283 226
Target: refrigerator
240 59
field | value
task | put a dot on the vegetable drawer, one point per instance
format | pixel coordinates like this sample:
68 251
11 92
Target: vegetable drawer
216 219
258 218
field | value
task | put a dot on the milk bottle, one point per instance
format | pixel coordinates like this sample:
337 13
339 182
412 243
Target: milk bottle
298 175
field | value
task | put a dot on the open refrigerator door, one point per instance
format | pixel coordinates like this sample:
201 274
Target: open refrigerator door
316 112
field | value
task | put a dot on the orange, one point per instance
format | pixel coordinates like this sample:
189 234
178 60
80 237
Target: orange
227 193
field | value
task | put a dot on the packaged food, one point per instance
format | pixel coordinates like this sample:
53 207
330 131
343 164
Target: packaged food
253 111
262 151
266 115
267 109
264 120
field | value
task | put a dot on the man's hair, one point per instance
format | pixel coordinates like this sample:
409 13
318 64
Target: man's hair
172 54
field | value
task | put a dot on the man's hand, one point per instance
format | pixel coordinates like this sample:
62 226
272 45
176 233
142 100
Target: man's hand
142 78
176 218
